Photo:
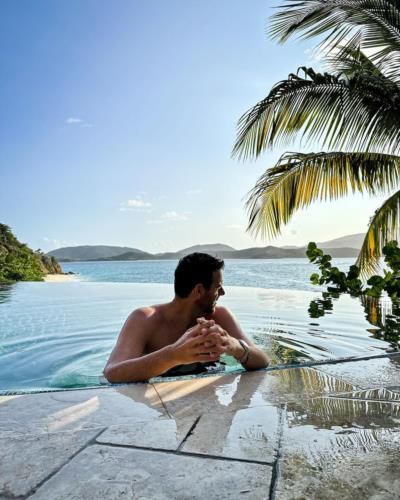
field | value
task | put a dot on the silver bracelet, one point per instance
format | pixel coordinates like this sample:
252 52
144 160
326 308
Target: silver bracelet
246 348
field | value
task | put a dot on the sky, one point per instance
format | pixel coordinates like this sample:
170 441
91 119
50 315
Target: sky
118 120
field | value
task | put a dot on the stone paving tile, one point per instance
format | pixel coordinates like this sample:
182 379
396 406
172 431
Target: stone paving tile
339 448
103 472
381 372
74 410
246 390
27 461
165 434
381 393
249 434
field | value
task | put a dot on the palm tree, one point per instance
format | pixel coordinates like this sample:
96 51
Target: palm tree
353 112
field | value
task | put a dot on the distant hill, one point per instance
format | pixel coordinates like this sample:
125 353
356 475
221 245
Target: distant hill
350 241
213 248
90 252
131 255
347 246
216 249
271 252
268 252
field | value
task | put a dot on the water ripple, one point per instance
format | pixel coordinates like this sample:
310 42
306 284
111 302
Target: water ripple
60 335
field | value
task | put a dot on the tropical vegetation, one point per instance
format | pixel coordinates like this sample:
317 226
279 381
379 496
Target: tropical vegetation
383 314
338 281
352 111
19 263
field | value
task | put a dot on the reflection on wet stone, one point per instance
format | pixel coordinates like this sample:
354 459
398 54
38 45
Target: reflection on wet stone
327 413
340 448
248 390
382 393
250 434
380 372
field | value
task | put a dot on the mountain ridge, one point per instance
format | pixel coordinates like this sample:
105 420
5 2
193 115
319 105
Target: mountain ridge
111 253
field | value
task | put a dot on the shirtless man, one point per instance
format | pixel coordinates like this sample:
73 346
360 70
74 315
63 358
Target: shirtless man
190 329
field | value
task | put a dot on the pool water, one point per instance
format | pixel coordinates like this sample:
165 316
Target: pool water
59 335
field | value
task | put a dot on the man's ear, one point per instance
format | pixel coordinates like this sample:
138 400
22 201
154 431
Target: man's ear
198 290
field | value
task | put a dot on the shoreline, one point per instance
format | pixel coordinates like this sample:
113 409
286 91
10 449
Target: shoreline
60 278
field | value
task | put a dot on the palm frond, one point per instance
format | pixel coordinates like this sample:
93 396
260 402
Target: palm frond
384 226
390 65
284 111
378 20
359 111
300 179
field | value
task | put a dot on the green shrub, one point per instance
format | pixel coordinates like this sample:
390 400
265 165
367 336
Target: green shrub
19 263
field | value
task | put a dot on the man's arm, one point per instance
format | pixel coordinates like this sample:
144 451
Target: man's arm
256 357
128 363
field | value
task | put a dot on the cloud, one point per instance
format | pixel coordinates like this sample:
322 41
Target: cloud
72 120
172 215
138 203
75 120
135 205
53 244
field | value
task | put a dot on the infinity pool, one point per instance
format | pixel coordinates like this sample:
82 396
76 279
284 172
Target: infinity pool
59 335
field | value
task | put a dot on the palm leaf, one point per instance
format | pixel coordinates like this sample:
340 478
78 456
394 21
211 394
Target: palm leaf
383 227
358 111
300 179
377 20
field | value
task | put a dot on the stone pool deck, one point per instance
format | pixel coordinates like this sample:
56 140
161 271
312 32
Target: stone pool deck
319 432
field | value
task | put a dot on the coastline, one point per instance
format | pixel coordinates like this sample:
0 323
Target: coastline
60 278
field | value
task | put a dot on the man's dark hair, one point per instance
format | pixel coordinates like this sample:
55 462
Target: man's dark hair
193 269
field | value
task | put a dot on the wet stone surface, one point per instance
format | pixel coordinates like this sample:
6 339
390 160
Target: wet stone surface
114 473
164 434
381 372
251 434
27 461
339 448
76 410
381 393
331 432
247 390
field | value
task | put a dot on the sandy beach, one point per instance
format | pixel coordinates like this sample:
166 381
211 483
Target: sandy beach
58 278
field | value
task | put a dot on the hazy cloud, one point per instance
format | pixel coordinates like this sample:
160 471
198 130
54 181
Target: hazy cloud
72 120
135 204
138 203
75 120
53 243
172 215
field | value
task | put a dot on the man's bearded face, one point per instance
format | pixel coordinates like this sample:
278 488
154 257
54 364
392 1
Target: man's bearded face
211 296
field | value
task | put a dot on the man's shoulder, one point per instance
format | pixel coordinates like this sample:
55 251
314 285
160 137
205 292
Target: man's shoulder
221 312
144 313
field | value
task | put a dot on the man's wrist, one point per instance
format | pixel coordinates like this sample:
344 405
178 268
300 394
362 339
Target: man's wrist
171 355
242 351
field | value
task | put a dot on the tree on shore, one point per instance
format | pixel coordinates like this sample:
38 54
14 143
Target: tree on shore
352 111
19 263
